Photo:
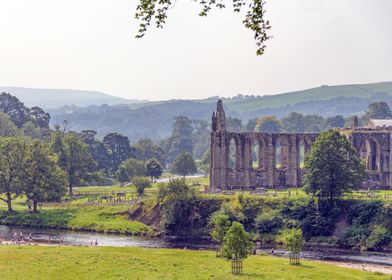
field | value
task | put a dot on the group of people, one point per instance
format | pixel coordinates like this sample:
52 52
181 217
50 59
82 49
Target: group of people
19 239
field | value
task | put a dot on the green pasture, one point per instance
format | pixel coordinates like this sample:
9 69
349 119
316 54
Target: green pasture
39 262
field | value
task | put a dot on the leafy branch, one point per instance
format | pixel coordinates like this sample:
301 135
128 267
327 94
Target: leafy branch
155 12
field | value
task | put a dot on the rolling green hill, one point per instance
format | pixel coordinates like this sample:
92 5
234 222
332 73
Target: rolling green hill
313 94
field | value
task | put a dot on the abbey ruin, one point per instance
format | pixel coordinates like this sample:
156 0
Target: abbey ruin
251 160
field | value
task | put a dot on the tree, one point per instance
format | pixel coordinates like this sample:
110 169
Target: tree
73 157
268 124
141 183
184 164
146 149
42 178
155 12
7 127
333 122
130 168
12 155
292 239
153 168
332 167
233 124
237 244
97 150
379 110
181 139
220 225
118 149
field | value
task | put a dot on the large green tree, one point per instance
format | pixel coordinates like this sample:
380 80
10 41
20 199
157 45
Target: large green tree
73 157
130 168
153 168
118 149
12 155
155 12
332 167
184 165
379 110
42 178
181 139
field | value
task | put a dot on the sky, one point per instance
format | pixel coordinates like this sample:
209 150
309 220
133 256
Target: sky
91 45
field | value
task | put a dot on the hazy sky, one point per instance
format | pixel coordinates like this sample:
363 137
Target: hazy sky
90 44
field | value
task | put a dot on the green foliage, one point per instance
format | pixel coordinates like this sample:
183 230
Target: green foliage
332 167
141 183
12 155
42 178
73 157
145 149
378 110
269 221
204 163
184 164
237 244
118 149
184 212
129 169
181 139
268 124
371 225
220 224
153 168
292 240
7 127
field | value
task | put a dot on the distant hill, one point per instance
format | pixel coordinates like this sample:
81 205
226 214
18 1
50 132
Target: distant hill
314 94
138 119
55 98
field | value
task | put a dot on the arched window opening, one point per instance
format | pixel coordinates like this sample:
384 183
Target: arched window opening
301 153
231 160
278 154
255 149
373 155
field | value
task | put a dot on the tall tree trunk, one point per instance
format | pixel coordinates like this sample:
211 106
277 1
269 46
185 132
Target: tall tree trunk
9 202
70 189
35 206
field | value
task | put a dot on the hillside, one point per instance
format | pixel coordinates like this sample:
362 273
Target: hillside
313 94
55 98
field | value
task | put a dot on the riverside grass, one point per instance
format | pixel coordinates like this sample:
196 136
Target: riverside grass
113 219
45 262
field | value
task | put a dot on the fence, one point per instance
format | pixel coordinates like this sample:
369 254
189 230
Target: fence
294 258
236 267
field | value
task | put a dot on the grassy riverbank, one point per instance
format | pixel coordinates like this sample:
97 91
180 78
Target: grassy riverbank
113 219
39 262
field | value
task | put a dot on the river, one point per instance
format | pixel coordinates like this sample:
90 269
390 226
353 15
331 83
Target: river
85 238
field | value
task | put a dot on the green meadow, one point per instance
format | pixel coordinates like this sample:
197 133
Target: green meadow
39 262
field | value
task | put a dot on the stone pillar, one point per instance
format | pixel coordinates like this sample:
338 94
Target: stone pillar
284 145
223 160
247 160
271 159
293 161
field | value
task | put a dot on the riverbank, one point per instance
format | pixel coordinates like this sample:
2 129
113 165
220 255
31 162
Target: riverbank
48 262
113 219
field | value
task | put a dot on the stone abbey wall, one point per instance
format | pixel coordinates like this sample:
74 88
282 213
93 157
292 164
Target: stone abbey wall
250 160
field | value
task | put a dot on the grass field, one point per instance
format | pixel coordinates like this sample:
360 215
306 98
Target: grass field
111 219
39 262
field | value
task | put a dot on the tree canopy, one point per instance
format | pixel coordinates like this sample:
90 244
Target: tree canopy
379 110
237 244
268 124
332 166
184 164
